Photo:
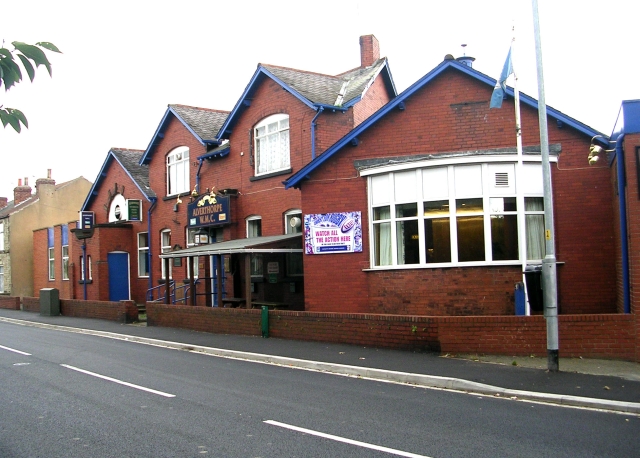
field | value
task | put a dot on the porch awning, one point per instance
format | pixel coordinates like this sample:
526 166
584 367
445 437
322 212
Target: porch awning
269 244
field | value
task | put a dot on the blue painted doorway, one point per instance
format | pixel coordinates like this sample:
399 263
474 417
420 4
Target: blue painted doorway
118 276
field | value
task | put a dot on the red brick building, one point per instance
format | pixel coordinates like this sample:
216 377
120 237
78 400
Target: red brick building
219 174
449 212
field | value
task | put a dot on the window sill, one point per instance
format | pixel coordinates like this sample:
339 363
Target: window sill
454 266
273 174
174 196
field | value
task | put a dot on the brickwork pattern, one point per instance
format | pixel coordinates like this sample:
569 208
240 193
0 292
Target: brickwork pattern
459 106
591 336
9 302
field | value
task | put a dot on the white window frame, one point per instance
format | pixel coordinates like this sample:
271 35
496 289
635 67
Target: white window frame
177 162
288 217
254 226
190 243
1 278
381 174
52 263
165 236
65 262
271 144
88 270
1 235
143 255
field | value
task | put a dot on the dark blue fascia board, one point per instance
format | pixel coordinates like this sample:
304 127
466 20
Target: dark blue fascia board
241 106
102 175
305 172
210 155
146 157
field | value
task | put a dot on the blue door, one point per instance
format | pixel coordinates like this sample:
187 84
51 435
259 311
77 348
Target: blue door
118 276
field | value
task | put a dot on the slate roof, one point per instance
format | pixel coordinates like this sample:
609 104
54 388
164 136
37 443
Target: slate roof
315 90
398 102
129 160
203 123
326 89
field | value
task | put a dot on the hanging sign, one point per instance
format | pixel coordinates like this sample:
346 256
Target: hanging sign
208 210
333 233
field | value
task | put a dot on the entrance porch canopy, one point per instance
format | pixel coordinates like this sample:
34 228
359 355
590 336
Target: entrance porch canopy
253 245
268 244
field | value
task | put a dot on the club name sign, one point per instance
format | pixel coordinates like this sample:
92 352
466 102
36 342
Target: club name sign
209 210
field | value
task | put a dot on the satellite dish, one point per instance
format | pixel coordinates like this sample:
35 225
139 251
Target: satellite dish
295 222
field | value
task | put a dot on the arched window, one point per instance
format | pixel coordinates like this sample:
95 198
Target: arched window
178 170
272 144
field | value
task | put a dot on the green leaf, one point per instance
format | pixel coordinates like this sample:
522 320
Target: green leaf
11 73
9 118
34 53
28 67
20 116
5 52
49 46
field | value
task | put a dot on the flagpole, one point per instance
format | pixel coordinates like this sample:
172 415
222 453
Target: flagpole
522 240
549 272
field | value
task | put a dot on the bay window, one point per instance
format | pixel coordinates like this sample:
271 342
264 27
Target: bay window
459 214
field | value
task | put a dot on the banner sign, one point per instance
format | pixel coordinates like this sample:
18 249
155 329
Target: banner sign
208 210
333 233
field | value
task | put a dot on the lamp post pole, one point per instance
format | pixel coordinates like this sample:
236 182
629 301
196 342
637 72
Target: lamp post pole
549 274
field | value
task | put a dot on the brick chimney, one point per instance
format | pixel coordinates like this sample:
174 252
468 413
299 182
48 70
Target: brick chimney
369 50
21 193
45 186
3 202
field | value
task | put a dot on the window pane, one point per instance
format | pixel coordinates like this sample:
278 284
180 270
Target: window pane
436 208
381 213
294 264
382 244
470 238
503 204
504 237
534 204
408 244
406 210
438 240
535 237
468 206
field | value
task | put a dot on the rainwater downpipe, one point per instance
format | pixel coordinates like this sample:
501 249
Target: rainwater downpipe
313 133
201 161
149 255
622 203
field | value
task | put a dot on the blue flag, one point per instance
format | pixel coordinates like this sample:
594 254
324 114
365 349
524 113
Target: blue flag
501 86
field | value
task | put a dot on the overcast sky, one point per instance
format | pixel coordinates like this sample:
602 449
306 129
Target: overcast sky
123 62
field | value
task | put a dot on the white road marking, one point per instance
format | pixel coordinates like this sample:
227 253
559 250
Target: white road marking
345 440
15 351
110 379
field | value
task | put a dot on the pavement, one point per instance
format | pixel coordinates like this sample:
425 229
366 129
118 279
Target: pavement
581 382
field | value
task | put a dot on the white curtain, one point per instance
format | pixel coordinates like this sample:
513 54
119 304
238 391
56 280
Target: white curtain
535 229
384 238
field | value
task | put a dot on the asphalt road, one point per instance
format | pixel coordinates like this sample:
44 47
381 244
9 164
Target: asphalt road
74 395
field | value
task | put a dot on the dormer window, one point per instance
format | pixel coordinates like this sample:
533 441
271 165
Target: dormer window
272 144
178 171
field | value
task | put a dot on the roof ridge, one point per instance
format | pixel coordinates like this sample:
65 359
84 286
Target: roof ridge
213 110
296 70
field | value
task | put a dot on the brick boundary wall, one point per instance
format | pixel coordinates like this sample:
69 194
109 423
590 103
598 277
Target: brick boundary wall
9 302
31 304
593 336
123 311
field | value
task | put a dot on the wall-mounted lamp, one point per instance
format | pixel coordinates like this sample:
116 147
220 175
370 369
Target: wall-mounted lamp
595 151
201 237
